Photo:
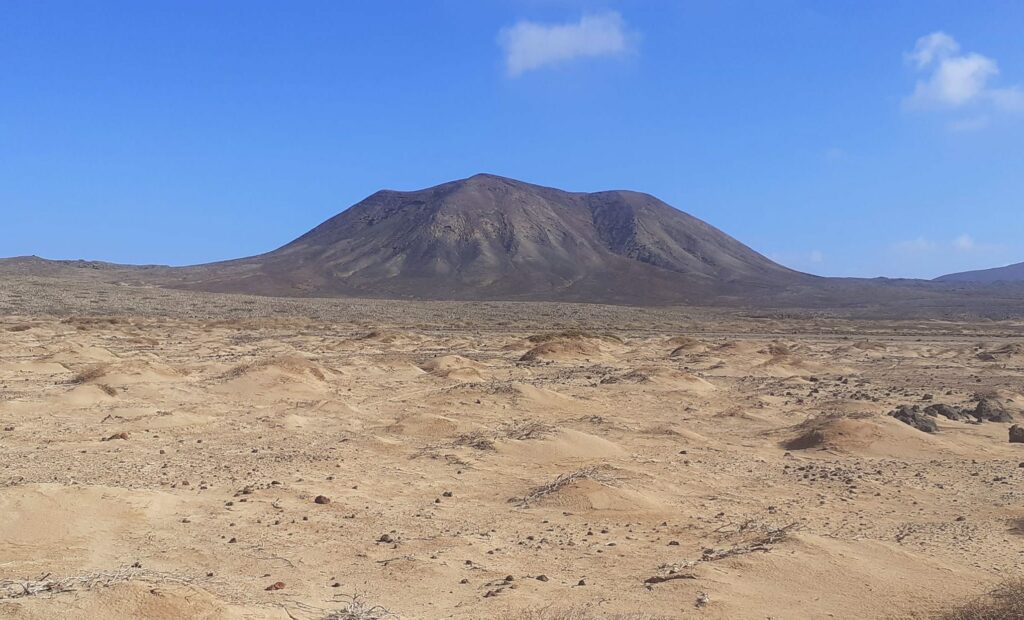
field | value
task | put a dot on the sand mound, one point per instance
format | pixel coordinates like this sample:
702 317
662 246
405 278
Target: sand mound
152 599
789 365
283 367
1006 352
455 367
685 342
386 336
34 368
684 346
75 353
863 435
447 363
53 524
88 395
565 350
426 425
565 444
542 397
125 373
588 495
662 377
290 376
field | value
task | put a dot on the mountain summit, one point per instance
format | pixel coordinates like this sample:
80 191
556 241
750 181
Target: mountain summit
489 237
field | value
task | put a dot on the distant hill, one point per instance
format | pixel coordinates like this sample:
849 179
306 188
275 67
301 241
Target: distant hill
488 237
1010 273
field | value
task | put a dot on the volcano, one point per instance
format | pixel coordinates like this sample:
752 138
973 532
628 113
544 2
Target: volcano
493 238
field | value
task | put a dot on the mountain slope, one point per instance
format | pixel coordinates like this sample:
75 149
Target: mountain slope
1010 273
487 237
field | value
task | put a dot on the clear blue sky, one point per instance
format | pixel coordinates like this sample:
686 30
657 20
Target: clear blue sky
835 136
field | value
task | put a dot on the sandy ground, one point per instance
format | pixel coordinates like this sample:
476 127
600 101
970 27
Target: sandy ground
161 456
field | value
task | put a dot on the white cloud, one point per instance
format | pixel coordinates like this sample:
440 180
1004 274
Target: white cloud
964 243
530 45
932 46
955 80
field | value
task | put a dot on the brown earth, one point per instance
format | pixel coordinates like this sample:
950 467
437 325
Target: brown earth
170 454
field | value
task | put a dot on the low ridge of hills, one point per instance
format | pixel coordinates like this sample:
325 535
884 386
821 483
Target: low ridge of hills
1009 273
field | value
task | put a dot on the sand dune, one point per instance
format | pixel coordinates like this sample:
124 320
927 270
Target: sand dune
184 466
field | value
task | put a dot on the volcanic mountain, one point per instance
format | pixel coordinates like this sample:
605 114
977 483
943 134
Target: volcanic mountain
488 237
1010 273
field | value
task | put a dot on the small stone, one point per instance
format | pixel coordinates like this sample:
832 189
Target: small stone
541 577
277 585
322 499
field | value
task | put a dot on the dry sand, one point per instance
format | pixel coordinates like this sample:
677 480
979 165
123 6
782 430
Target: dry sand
161 454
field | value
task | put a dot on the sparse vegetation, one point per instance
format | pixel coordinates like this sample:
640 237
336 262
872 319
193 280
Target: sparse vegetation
1004 602
89 374
586 612
563 480
358 609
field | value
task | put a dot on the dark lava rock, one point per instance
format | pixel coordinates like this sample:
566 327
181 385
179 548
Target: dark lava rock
947 411
991 411
913 416
1017 434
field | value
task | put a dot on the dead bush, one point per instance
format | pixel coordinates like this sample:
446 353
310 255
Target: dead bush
586 612
1004 602
89 374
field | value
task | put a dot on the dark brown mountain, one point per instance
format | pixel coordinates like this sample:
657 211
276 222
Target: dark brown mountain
1010 273
488 237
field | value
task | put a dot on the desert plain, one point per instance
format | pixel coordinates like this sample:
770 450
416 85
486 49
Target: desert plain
169 454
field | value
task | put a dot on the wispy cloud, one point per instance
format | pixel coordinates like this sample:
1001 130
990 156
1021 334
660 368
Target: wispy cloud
530 45
936 257
915 246
963 244
952 79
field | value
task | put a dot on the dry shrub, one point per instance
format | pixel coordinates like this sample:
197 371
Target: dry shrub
475 439
1005 602
523 429
89 374
594 472
587 612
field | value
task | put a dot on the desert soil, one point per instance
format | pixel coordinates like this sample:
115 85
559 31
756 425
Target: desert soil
162 454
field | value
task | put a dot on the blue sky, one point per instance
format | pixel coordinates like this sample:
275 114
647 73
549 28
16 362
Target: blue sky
850 138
